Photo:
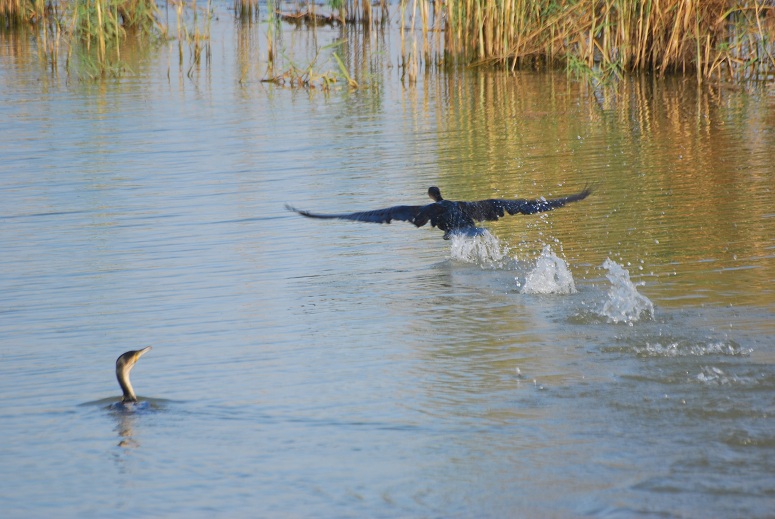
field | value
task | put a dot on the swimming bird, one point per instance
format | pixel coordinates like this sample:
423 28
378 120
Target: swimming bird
124 365
453 217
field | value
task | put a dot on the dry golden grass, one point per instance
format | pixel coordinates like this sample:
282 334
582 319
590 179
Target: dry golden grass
708 37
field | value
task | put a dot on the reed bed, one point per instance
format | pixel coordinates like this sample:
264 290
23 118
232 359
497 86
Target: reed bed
732 39
101 14
97 30
708 37
15 13
88 33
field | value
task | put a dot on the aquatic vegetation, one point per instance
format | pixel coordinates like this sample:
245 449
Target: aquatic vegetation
98 29
342 11
309 76
140 15
97 22
87 33
310 18
601 38
352 83
197 37
14 13
362 11
246 10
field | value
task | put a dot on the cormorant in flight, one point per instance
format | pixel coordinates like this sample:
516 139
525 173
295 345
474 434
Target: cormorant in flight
453 217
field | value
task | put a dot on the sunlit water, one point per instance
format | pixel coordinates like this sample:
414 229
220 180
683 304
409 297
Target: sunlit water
613 358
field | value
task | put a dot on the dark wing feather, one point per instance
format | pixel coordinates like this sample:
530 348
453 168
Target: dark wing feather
495 208
416 214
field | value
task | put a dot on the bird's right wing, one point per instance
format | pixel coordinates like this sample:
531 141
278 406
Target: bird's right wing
419 215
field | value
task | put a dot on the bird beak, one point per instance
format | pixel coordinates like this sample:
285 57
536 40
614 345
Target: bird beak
143 351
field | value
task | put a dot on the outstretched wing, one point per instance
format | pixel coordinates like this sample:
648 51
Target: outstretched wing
419 215
495 208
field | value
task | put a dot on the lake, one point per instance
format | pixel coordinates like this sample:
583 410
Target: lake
612 358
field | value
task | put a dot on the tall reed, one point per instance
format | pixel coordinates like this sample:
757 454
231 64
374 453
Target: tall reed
139 15
91 30
246 10
14 13
709 37
100 27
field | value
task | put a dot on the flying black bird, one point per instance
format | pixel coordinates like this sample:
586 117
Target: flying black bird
453 217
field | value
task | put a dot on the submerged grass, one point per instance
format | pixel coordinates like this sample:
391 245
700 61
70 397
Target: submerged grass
311 76
197 36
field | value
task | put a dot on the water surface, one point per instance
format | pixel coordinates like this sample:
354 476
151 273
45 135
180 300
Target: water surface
334 369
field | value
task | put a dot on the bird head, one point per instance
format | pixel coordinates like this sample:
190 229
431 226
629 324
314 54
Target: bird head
127 361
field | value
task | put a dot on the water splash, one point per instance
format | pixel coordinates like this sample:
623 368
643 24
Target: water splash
689 348
716 376
550 275
480 248
624 303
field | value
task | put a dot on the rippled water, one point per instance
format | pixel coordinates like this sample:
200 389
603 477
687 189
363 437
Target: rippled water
613 358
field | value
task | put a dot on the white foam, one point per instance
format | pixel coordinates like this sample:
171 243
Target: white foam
688 348
481 248
550 275
624 304
716 376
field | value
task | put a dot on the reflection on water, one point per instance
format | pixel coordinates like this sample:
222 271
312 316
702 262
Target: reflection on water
125 424
130 415
348 369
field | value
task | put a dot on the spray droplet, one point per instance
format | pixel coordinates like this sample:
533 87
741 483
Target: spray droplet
551 275
624 304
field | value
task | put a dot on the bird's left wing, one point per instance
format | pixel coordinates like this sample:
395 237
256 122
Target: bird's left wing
494 208
416 214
